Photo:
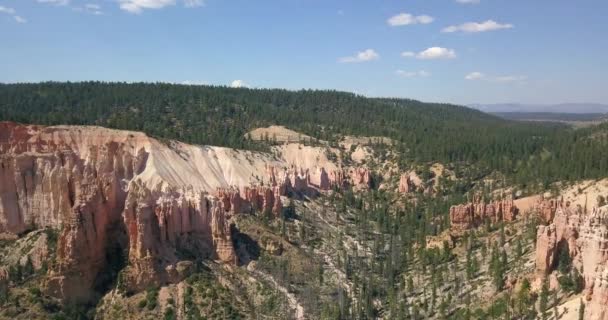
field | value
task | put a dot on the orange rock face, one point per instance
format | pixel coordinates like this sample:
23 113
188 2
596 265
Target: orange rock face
473 214
338 179
546 209
585 237
264 199
361 178
405 184
86 190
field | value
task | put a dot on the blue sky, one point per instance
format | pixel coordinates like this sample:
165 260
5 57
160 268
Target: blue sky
487 51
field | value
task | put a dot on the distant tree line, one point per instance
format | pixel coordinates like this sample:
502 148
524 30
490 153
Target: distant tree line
222 116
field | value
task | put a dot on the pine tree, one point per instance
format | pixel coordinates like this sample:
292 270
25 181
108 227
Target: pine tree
544 298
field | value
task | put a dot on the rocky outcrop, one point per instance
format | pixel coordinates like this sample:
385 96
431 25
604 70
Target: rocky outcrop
323 179
546 209
584 236
361 178
86 187
300 179
264 199
136 209
405 184
473 214
597 308
337 179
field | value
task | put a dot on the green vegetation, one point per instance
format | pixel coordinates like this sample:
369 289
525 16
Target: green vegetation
223 116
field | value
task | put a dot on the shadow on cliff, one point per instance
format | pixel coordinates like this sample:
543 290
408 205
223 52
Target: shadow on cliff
116 258
246 248
561 259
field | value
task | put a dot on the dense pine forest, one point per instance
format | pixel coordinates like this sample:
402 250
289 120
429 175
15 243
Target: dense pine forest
222 116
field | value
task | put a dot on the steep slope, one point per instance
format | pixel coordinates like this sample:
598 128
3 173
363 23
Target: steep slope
130 209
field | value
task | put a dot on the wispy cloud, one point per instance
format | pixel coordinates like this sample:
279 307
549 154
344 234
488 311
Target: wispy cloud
478 76
137 6
239 84
432 53
474 76
7 10
56 2
363 56
412 74
404 19
193 3
468 1
12 12
193 83
20 19
510 78
474 27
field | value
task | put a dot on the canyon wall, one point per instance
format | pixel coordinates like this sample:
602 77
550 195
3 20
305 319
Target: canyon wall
473 214
584 236
128 206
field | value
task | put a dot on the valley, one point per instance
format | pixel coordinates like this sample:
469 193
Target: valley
107 223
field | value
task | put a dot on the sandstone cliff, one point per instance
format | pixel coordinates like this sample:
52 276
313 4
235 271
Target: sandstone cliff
473 214
92 186
584 236
124 201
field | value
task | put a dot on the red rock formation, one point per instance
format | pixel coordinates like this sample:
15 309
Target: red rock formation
299 179
585 236
272 177
277 207
473 214
231 200
361 178
265 199
338 179
546 208
597 308
322 178
405 184
85 189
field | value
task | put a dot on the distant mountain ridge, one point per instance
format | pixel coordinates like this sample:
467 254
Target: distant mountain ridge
552 116
548 108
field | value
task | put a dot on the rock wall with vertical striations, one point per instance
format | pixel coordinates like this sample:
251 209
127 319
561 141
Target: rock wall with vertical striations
584 235
88 185
137 209
473 214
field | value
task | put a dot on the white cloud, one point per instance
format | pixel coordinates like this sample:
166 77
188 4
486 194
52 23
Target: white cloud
363 56
510 78
13 13
193 3
502 79
56 2
193 83
413 74
468 1
7 10
474 76
239 84
91 8
473 27
432 53
137 6
404 19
